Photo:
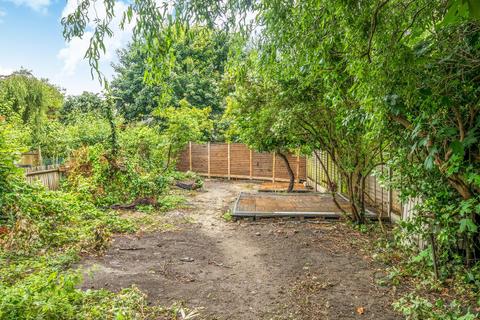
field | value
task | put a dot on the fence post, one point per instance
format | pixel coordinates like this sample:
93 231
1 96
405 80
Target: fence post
228 159
316 172
208 158
190 154
251 165
273 167
298 165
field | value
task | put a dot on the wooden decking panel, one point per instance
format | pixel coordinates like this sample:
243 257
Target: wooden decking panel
289 204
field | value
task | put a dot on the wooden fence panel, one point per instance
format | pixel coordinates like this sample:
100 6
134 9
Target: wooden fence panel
396 202
239 160
297 164
280 167
49 176
183 161
199 153
262 164
302 169
236 160
218 159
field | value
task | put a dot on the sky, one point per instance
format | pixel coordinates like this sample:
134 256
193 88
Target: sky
31 37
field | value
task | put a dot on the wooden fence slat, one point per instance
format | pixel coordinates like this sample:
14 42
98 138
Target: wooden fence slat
49 176
298 166
273 167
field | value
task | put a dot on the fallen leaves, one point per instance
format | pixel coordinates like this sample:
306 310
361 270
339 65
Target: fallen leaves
360 310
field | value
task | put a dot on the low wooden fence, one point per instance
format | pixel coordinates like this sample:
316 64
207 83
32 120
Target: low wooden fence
236 160
384 200
49 176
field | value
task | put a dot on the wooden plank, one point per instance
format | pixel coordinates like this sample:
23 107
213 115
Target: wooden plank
273 167
239 159
38 173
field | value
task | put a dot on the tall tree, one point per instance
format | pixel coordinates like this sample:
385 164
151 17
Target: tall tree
83 103
198 60
29 101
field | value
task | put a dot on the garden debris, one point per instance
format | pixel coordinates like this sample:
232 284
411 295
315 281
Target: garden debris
139 202
218 264
4 230
187 259
188 184
360 310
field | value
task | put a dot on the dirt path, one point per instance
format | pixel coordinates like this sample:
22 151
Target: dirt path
247 270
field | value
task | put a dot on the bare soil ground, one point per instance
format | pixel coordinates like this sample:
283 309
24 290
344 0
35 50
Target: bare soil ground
269 269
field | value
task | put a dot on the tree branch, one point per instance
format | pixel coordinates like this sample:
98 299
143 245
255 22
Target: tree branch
373 28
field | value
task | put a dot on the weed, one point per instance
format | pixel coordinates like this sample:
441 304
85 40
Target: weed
227 216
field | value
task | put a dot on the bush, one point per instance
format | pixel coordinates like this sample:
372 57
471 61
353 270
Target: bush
418 308
55 296
105 181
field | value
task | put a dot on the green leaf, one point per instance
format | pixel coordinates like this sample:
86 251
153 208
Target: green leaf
457 147
428 163
474 8
467 225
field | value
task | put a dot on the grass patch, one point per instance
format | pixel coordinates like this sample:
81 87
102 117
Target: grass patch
227 216
171 201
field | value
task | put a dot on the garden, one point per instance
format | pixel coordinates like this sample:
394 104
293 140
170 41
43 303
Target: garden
357 86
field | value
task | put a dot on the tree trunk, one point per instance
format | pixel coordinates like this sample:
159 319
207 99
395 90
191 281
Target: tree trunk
351 196
361 196
434 256
169 155
291 175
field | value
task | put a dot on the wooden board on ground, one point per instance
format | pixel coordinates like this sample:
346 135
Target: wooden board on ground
263 205
282 187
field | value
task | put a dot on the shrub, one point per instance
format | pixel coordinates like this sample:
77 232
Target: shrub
104 181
